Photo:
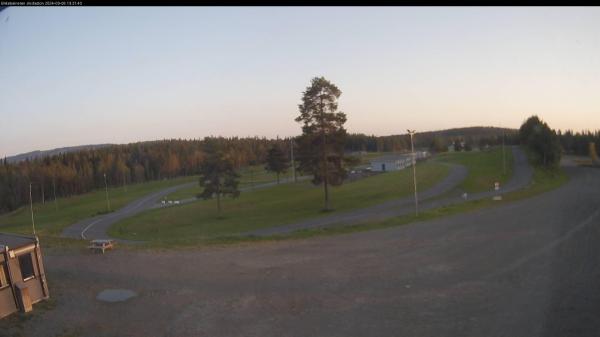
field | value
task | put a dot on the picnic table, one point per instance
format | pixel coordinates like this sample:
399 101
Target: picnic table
101 245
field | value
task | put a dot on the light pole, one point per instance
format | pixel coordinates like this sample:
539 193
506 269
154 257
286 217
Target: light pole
412 148
54 190
31 208
503 155
106 189
292 156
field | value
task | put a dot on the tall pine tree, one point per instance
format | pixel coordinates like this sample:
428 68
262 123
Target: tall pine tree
276 161
217 175
321 145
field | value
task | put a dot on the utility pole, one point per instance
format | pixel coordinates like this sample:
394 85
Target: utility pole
503 155
412 148
31 208
292 156
54 190
106 189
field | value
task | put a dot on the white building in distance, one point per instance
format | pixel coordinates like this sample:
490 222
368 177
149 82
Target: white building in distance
396 162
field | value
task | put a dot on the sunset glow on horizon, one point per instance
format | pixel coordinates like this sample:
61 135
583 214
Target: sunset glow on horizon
73 76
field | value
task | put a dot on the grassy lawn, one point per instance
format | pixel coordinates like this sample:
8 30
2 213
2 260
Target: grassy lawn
256 175
249 176
485 168
195 222
50 222
543 181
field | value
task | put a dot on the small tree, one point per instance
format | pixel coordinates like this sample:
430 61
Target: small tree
541 140
277 161
217 175
321 145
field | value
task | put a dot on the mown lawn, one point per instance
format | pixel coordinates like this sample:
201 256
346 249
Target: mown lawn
191 223
485 168
543 180
50 220
256 175
249 177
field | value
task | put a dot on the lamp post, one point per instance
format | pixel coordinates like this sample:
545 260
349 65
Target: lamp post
414 165
292 157
54 190
503 155
106 189
31 208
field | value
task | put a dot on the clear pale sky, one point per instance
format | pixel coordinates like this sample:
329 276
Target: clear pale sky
72 76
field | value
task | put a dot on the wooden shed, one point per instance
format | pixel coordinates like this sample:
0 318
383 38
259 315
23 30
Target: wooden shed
22 277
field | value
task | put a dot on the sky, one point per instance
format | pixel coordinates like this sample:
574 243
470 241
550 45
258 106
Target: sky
90 75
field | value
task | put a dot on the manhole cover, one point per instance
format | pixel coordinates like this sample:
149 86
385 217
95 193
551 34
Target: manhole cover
115 295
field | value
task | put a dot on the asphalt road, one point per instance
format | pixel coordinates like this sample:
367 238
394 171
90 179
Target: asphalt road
527 268
521 177
97 227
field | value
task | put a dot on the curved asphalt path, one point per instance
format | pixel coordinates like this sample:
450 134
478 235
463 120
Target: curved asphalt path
521 177
526 268
97 227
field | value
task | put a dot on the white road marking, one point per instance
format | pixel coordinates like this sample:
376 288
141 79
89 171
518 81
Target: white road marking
88 227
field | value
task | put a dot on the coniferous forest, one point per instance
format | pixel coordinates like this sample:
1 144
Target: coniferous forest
81 171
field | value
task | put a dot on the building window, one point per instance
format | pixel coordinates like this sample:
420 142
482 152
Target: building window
26 264
3 275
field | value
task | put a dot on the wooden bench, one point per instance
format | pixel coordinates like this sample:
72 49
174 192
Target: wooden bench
101 245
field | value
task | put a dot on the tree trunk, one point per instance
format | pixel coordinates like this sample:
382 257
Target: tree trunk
219 204
326 189
219 197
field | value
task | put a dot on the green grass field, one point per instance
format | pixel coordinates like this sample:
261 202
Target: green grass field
279 205
485 168
543 180
249 176
198 222
50 221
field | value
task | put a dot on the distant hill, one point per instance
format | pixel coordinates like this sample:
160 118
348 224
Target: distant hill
422 139
472 132
47 153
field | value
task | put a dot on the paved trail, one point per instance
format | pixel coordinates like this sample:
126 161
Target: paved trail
521 177
527 268
97 227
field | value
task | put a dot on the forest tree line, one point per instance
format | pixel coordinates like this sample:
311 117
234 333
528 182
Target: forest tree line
578 142
78 172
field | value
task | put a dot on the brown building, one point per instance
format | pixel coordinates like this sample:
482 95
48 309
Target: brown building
22 277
